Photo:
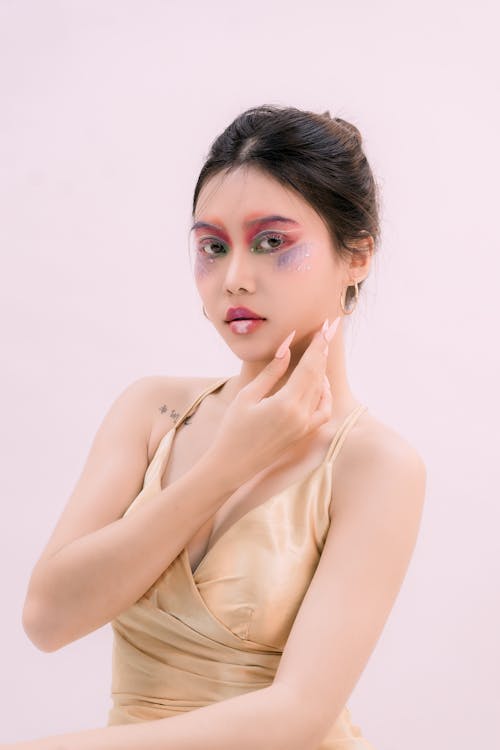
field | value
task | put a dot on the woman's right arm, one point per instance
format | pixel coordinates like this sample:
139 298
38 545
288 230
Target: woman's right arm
96 563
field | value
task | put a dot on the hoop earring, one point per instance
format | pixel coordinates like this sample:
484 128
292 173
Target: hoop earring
343 296
205 312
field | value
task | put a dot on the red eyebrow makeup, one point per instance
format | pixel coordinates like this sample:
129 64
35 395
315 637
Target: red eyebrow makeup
251 223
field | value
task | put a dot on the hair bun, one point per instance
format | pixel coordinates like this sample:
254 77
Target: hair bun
349 128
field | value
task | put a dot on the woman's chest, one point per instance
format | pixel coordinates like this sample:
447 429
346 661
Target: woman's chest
193 438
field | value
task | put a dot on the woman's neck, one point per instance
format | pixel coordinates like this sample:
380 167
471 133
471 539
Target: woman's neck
343 400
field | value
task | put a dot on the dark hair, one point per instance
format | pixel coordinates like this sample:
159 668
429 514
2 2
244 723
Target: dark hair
319 157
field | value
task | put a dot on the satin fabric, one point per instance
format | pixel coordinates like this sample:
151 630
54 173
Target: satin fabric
199 637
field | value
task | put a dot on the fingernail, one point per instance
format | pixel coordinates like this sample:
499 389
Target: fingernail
325 325
330 332
281 350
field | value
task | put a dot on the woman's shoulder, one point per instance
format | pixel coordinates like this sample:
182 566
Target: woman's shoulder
174 385
372 442
372 433
165 399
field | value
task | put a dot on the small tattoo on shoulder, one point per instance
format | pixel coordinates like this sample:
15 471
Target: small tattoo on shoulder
173 414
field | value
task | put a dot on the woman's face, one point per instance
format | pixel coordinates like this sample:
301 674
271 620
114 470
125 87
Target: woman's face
284 268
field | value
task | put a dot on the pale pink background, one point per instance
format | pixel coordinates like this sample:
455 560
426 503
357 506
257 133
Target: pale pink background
108 109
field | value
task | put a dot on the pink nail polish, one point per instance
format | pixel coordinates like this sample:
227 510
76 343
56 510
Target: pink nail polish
281 350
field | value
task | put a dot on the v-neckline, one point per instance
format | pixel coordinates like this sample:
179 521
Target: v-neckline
302 480
260 506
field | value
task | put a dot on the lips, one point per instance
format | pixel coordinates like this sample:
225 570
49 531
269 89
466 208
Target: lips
241 313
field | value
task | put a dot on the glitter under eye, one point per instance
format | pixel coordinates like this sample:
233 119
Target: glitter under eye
295 258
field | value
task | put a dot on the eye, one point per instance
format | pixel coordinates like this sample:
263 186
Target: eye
273 238
214 247
208 242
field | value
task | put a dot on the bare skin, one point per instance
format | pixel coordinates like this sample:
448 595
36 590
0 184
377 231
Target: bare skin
194 435
290 298
293 298
379 479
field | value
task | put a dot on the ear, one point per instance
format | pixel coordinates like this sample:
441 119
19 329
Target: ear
359 265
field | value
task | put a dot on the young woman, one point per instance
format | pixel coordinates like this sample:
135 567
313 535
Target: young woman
246 537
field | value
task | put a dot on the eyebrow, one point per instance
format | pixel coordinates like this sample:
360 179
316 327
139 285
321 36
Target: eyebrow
274 218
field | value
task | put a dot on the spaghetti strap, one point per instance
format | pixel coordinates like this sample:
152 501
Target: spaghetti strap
156 466
344 428
200 636
200 397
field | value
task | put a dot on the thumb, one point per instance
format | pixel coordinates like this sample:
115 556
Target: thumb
272 372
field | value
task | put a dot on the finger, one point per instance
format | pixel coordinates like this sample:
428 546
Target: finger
305 381
324 409
304 384
272 372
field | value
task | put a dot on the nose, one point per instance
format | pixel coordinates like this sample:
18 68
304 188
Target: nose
239 274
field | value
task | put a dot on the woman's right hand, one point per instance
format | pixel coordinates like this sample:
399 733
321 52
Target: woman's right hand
256 428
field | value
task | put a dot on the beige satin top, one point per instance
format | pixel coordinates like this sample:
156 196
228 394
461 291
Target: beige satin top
197 638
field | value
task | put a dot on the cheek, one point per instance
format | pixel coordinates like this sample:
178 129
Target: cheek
202 266
297 258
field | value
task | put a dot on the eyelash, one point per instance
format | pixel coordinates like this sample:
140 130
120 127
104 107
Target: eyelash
265 236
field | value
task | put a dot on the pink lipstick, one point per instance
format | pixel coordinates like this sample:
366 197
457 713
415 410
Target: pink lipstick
241 313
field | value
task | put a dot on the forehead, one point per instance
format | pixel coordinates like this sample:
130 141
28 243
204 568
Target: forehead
246 192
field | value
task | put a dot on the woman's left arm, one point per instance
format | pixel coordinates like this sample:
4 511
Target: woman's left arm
379 491
261 718
379 486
